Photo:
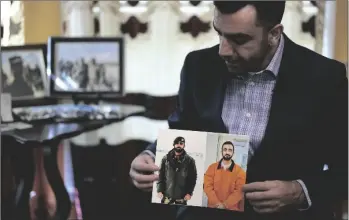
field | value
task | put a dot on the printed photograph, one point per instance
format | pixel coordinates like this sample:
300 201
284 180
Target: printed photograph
180 156
225 171
87 66
201 169
23 72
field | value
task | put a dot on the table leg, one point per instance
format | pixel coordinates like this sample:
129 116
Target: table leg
23 162
7 187
55 180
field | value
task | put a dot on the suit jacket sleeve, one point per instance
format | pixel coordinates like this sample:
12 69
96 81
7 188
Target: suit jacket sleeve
179 119
332 185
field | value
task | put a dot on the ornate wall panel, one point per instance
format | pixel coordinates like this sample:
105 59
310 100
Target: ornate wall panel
107 18
319 26
12 23
296 23
169 30
78 18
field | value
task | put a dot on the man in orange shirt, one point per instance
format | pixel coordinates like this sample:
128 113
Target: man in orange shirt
223 181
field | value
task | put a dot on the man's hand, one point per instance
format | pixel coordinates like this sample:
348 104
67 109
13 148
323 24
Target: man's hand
274 196
142 172
160 195
220 206
187 197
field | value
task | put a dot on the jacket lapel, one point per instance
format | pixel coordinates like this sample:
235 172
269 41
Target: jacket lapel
283 94
209 95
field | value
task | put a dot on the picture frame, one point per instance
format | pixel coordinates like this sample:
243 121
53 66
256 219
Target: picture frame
192 165
80 66
23 71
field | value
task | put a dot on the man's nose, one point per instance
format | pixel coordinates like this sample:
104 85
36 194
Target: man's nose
225 49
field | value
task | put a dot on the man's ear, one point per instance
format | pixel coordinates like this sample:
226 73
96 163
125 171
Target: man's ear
275 34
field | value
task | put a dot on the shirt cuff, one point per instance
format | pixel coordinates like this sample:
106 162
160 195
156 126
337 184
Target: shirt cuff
305 190
149 153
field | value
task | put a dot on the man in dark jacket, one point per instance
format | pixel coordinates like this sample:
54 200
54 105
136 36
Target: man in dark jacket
291 101
177 175
19 87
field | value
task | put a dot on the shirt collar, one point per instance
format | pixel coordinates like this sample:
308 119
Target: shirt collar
225 166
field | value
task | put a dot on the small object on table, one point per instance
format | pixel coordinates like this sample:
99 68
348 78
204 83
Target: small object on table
6 107
14 125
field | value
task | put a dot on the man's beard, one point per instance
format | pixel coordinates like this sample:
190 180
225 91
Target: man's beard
227 157
258 61
178 149
253 64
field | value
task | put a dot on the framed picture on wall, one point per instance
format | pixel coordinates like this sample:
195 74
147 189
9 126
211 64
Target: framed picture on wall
86 65
23 71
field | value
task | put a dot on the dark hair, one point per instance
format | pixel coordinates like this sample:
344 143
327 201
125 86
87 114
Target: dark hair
269 13
230 143
178 139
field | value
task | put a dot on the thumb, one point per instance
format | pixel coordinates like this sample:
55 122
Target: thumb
150 161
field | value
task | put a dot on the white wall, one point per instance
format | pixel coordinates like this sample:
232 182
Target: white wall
211 149
157 56
292 21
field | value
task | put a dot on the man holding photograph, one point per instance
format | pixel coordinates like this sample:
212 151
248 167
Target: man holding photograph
223 181
177 175
290 101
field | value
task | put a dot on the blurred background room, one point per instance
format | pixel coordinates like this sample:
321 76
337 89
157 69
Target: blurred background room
92 82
